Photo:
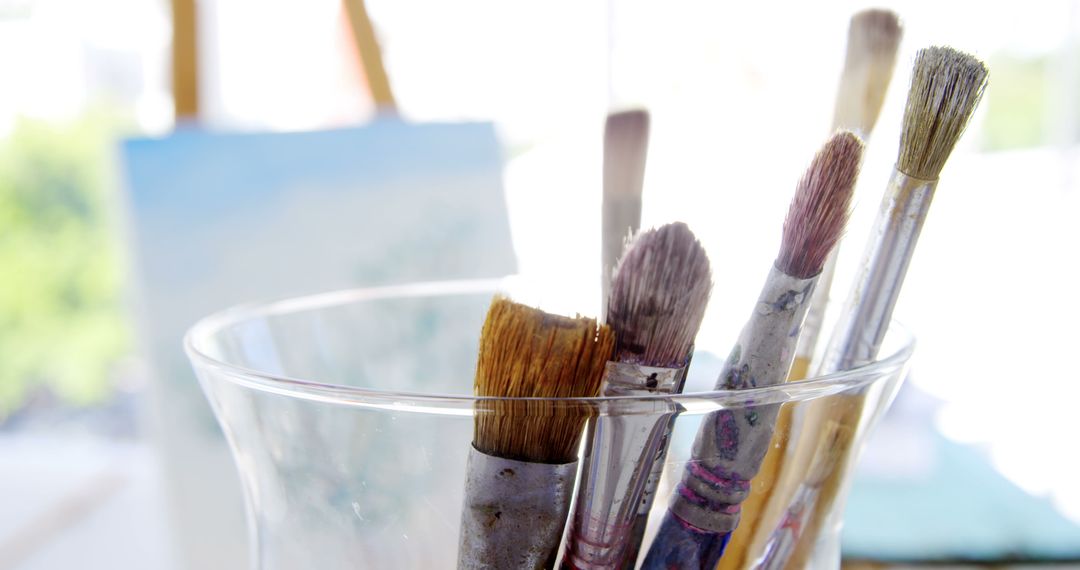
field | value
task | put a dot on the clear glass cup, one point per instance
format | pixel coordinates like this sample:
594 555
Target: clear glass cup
350 417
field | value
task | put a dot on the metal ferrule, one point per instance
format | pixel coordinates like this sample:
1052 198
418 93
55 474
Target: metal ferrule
620 456
514 513
868 308
731 443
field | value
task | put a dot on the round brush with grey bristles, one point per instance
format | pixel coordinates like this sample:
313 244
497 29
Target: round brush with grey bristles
946 86
657 303
731 443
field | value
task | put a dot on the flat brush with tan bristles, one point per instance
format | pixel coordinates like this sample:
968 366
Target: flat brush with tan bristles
873 40
523 459
946 87
658 300
705 507
626 143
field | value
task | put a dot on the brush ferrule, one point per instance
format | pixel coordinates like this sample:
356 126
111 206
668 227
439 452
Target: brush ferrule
514 512
626 379
732 442
620 457
869 306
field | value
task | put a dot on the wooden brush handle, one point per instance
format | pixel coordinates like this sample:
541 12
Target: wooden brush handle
763 485
843 410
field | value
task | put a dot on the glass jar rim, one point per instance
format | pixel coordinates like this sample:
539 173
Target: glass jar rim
461 404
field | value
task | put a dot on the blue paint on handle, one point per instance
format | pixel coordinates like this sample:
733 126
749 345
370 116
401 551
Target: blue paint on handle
680 546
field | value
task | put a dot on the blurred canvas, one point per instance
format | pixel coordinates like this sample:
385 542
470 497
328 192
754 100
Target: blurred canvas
223 219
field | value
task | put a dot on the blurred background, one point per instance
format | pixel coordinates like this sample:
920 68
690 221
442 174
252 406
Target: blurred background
976 462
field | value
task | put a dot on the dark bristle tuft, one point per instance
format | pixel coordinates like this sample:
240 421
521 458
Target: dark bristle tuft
819 210
527 353
946 86
658 296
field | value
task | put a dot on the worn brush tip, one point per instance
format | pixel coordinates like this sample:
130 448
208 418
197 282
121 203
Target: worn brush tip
946 86
658 296
527 353
874 32
820 207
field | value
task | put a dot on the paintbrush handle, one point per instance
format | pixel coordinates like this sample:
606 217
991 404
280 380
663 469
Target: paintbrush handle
626 145
620 218
620 455
731 443
648 496
869 306
652 484
834 439
681 545
784 539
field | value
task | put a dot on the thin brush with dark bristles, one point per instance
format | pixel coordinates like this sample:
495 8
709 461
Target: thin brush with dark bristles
731 444
527 353
658 297
946 86
819 210
873 39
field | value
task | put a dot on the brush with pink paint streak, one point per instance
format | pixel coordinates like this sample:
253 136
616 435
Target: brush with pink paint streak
658 300
732 442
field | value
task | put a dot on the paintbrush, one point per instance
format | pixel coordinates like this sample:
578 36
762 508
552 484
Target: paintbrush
626 142
732 442
523 460
873 39
946 87
833 440
658 299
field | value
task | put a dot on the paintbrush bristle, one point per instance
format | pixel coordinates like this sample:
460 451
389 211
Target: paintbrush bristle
820 207
946 86
658 297
527 353
873 39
